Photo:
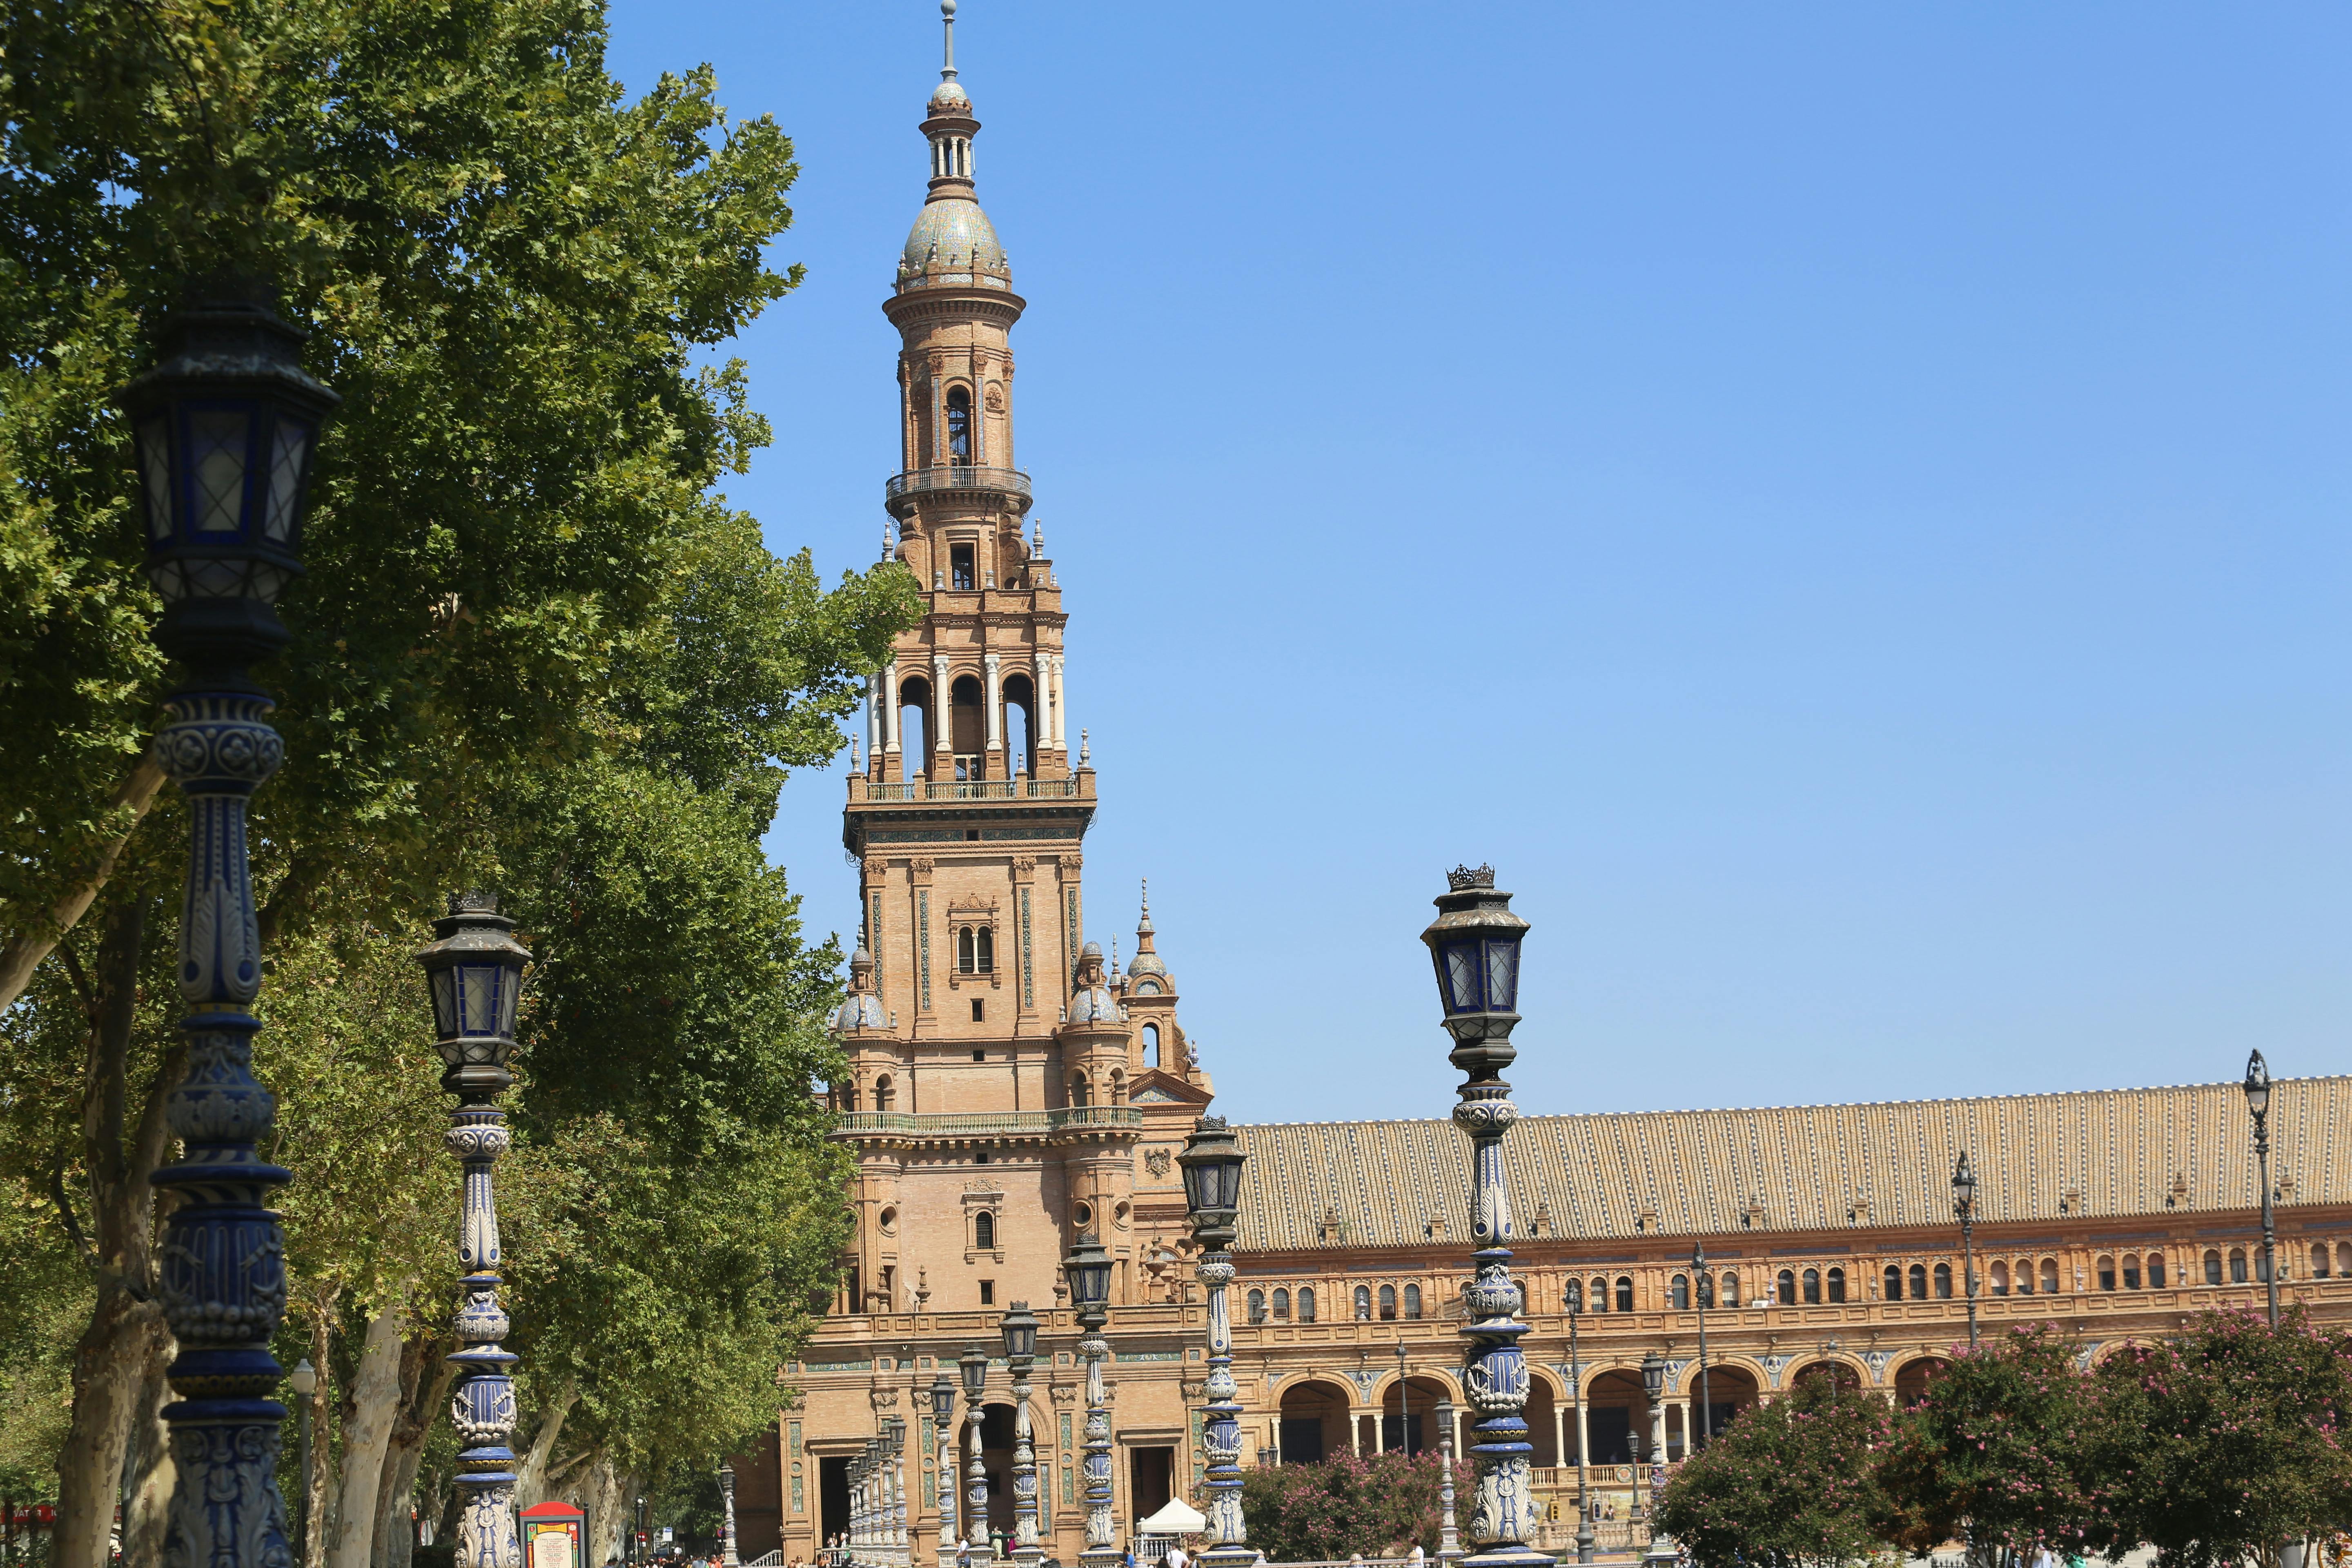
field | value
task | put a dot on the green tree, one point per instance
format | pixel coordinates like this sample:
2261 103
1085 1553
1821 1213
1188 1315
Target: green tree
1792 1484
1381 1506
1999 1451
520 568
2228 1441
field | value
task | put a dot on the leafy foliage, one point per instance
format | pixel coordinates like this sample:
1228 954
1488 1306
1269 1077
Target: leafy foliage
2223 1443
1999 1447
1343 1505
1792 1484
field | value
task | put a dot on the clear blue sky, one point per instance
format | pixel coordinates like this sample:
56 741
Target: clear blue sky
1844 506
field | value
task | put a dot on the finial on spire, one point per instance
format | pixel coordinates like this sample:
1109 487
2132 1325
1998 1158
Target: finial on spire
1146 897
946 15
885 541
1037 533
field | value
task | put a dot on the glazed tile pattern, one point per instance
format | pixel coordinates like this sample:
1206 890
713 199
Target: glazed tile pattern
2094 1154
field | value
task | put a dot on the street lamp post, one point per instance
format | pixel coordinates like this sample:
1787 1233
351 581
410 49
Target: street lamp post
473 970
1019 1328
974 1365
1702 1287
644 1539
1212 1161
1584 1542
1088 1270
222 428
1653 1386
304 1379
1405 1405
728 1557
1964 1205
894 1430
1449 1539
943 1391
2258 1100
1474 945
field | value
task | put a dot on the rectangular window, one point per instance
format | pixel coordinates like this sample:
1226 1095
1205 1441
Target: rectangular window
988 1292
979 1010
959 566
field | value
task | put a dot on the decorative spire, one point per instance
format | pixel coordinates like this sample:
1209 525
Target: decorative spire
885 541
947 16
1084 756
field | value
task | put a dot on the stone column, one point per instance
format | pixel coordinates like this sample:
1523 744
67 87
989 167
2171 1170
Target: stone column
1051 665
975 1477
942 708
993 695
890 708
1026 1550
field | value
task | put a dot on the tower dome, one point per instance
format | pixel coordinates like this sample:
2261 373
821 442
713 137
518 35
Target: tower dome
952 241
1091 1001
861 1008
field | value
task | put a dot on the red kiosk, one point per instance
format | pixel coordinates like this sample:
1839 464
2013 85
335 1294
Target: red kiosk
554 1536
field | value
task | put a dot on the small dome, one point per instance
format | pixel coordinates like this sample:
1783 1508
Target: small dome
1096 1005
950 233
1145 963
863 1011
949 99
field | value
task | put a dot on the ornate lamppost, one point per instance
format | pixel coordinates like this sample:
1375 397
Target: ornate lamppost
2258 1100
224 427
1964 1205
728 1557
1584 1542
1474 944
1088 1270
1662 1547
943 1391
894 1480
474 972
1702 1288
1212 1161
1449 1539
974 1364
1019 1327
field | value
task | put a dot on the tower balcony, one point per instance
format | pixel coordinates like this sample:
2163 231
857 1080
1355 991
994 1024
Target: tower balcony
901 490
1075 787
1068 1122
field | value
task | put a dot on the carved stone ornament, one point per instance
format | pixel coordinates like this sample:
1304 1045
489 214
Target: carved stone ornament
876 870
1023 865
995 398
1157 1161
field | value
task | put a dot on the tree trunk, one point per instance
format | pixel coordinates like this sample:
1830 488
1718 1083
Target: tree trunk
424 1379
126 1334
318 1504
367 1433
531 1477
151 1474
606 1500
23 952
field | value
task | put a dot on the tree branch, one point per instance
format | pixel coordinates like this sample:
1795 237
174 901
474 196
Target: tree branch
63 1201
22 952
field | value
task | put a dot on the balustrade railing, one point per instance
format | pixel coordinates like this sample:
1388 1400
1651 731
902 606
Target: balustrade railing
956 477
1069 1117
975 789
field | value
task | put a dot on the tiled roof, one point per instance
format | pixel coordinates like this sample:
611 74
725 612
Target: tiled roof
2101 1154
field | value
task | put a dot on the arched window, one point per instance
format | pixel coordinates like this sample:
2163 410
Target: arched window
1894 1282
1813 1287
915 736
1943 1282
984 1231
1786 1295
1599 1300
1257 1306
2131 1270
967 954
1119 1086
2319 1260
2262 1267
1363 1303
2000 1279
1837 1284
2344 1257
958 424
1412 1301
1282 1304
2156 1271
883 1097
2050 1276
1731 1290
2024 1277
1678 1292
1918 1282
1151 1044
2212 1267
1305 1303
1624 1292
2237 1266
849 1098
1081 1092
2106 1272
987 945
1388 1303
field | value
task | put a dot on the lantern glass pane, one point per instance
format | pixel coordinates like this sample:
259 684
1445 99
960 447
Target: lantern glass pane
445 1003
155 476
478 990
216 468
1462 977
1502 973
216 579
508 992
1229 1184
293 440
1200 1186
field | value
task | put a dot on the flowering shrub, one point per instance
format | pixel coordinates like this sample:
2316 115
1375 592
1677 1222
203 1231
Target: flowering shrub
2221 1443
2000 1451
1381 1506
1792 1484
